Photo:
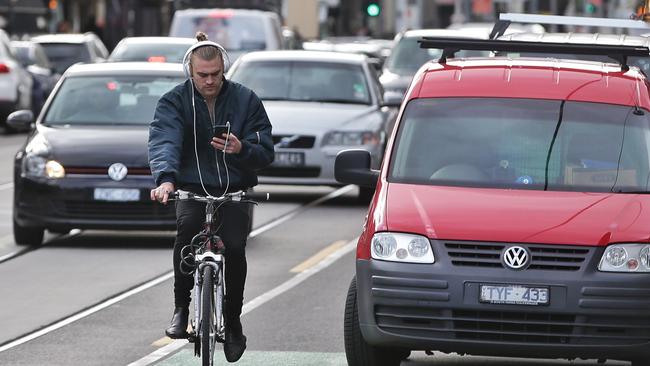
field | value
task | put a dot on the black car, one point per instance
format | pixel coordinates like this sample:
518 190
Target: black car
85 164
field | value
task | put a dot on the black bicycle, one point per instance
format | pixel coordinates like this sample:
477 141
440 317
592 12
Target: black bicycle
204 258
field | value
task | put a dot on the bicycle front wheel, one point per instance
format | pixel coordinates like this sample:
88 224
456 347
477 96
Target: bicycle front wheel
208 318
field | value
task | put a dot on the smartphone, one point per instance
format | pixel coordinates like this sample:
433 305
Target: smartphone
219 130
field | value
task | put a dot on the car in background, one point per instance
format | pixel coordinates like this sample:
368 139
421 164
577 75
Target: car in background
85 165
15 81
376 49
319 104
64 50
510 214
238 30
32 56
406 57
151 49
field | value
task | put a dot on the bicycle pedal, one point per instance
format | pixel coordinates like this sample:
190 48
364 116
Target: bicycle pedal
192 338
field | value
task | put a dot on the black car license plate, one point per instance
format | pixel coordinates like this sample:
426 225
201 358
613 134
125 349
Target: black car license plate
289 159
513 294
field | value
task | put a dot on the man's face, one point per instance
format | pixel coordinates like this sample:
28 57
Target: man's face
207 76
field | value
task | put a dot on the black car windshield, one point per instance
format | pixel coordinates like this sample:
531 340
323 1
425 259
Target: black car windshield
407 56
64 55
235 32
305 81
162 52
125 99
524 144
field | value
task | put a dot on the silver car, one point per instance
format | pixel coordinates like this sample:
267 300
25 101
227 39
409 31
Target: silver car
319 103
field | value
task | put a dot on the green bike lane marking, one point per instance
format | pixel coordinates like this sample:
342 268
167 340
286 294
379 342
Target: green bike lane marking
266 358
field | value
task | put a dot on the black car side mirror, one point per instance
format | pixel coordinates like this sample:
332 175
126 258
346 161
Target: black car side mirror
353 167
21 120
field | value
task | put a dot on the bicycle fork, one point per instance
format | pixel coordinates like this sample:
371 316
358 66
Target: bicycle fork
217 262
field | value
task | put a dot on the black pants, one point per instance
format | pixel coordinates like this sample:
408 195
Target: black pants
234 218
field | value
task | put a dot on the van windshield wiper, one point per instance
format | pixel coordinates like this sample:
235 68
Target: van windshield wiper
550 148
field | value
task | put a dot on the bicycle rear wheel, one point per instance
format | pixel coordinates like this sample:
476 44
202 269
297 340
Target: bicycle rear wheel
208 318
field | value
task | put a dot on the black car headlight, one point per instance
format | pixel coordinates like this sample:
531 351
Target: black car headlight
36 166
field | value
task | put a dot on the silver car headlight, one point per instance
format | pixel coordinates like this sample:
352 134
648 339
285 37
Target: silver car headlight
35 166
626 258
399 247
352 138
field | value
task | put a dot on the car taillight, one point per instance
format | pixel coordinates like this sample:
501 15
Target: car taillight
157 59
4 69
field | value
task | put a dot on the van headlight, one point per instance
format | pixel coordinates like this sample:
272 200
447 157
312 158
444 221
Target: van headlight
399 247
626 258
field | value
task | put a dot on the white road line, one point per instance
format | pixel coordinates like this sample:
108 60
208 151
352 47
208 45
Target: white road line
86 312
339 192
256 302
4 186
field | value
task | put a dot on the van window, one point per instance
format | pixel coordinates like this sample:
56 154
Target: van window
523 144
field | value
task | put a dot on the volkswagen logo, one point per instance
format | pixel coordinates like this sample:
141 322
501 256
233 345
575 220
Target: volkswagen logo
117 171
515 257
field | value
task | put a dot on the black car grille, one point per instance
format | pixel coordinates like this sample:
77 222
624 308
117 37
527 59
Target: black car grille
115 210
544 257
297 172
512 327
300 142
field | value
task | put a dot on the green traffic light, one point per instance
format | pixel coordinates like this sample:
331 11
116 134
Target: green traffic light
373 9
591 8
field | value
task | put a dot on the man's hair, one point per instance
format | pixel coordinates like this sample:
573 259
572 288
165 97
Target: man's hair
206 53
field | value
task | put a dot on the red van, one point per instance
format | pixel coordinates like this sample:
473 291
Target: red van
511 215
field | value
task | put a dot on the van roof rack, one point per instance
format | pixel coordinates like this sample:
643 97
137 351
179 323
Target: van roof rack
452 45
505 19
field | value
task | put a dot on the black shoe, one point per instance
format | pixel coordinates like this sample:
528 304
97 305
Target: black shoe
235 343
178 328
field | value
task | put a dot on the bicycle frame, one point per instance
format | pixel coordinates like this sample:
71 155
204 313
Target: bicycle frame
208 251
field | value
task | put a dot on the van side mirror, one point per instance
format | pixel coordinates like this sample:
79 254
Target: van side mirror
392 99
353 167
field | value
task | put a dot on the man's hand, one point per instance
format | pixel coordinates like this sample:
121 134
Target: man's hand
161 194
232 147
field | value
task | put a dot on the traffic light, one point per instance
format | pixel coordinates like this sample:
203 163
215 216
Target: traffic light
373 9
591 6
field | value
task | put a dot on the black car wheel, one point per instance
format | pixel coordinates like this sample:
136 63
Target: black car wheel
357 351
32 236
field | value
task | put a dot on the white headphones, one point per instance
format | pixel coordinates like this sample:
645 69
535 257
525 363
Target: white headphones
188 55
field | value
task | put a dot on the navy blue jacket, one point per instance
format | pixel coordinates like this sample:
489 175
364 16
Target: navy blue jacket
172 155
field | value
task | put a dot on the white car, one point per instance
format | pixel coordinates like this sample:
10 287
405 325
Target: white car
15 81
319 103
65 50
151 49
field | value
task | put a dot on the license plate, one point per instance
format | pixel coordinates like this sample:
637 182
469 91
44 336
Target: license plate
514 294
117 194
289 159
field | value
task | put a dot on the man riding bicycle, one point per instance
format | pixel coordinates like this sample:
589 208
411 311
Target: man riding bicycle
209 135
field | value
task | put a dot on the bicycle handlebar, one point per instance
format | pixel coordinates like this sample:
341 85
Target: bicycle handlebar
239 196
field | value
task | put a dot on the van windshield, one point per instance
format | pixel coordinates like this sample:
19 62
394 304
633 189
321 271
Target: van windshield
235 32
523 144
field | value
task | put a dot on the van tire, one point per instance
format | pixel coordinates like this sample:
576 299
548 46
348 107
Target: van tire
357 351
